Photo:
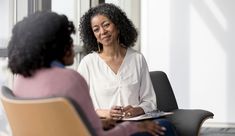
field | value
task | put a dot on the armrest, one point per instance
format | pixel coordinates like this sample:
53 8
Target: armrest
188 121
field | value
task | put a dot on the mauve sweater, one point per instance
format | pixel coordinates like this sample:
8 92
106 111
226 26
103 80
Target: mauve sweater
57 81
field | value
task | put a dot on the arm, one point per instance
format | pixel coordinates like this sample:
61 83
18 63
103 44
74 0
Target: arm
84 70
103 113
132 111
147 94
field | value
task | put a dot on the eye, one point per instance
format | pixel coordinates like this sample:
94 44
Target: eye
106 25
95 30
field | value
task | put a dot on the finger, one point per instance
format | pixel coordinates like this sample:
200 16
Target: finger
128 114
154 128
117 107
117 118
127 108
116 115
159 126
114 111
157 129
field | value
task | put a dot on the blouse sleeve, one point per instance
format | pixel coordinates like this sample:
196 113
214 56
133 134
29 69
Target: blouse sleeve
147 94
84 71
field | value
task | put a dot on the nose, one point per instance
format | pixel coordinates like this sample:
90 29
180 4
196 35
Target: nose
103 30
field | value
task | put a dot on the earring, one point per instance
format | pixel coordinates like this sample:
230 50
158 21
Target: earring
98 47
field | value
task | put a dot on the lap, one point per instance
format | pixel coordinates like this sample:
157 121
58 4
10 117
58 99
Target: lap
170 129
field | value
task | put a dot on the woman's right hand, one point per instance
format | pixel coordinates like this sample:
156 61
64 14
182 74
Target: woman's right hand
116 112
151 127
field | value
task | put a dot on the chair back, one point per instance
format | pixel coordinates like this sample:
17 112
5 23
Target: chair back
55 116
166 100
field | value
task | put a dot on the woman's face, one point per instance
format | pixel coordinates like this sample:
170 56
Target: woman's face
104 30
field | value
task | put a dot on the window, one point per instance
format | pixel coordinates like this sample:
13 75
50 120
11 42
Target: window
12 11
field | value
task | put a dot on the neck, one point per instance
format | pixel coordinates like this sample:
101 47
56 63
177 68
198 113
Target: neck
112 52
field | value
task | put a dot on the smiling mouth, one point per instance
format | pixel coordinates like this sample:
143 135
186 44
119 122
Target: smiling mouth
106 37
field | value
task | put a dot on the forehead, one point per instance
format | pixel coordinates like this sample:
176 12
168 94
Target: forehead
98 19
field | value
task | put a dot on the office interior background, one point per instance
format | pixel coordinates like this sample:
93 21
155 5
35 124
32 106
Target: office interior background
191 40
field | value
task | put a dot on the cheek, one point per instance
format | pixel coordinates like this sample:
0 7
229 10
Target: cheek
96 35
70 59
71 54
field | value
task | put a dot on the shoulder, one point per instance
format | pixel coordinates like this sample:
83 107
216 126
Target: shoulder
91 57
136 57
73 78
67 74
135 54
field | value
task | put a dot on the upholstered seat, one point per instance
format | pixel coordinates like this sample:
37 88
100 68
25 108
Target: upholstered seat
187 121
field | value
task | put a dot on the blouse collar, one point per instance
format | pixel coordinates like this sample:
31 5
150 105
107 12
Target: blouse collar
56 63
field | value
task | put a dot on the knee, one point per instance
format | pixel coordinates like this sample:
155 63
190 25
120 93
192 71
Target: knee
165 123
170 129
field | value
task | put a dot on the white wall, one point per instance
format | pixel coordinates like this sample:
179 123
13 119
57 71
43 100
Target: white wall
193 42
4 6
132 10
73 9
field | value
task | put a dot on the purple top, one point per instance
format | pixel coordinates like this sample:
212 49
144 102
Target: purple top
58 81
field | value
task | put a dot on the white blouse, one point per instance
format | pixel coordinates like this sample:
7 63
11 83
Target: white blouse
130 86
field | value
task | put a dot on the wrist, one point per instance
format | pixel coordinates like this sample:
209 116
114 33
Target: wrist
103 113
139 111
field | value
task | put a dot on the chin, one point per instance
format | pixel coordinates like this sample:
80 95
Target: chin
69 63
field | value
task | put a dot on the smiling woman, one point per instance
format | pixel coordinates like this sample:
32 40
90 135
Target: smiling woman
117 75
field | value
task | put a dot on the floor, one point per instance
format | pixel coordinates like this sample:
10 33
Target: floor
215 131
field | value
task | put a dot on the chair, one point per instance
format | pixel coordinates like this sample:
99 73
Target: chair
187 121
55 116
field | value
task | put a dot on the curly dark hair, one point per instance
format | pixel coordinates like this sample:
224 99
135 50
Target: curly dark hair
128 33
37 40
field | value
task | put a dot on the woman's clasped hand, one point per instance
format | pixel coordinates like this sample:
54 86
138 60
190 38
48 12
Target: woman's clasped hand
120 112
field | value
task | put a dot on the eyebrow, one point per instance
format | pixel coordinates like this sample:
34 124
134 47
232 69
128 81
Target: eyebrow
101 23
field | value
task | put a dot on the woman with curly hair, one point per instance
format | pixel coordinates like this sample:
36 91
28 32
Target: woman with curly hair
39 49
117 75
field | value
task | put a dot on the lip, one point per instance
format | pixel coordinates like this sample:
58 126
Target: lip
105 37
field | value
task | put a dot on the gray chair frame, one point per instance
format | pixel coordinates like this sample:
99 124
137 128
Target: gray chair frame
186 121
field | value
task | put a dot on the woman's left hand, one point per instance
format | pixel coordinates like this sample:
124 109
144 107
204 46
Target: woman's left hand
116 112
108 123
130 111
